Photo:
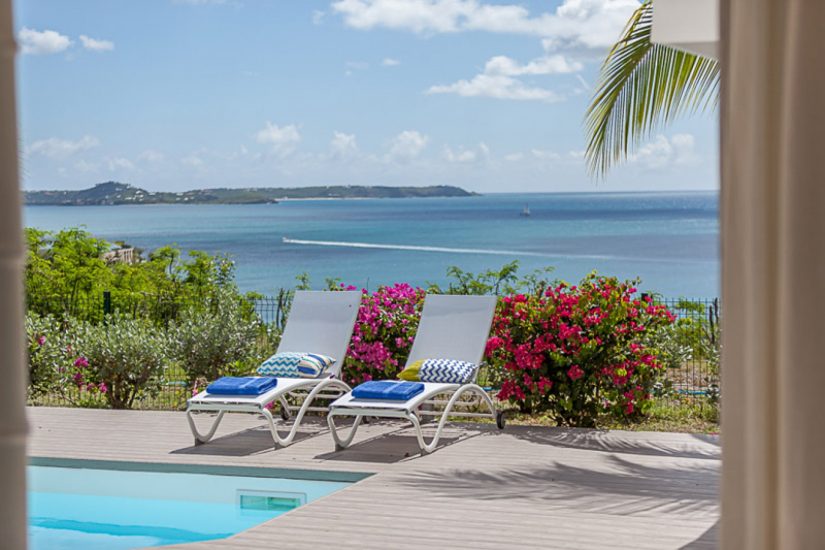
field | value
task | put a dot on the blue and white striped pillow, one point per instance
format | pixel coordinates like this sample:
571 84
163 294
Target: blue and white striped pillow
447 371
314 365
284 365
291 364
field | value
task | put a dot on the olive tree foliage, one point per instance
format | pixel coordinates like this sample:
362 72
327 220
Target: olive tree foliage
127 355
221 339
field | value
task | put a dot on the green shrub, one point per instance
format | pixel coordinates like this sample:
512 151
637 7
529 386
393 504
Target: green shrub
225 339
66 276
123 359
48 357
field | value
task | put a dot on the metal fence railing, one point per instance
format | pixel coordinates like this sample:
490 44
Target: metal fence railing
691 345
272 310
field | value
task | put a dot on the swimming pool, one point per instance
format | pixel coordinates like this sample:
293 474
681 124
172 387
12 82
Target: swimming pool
96 508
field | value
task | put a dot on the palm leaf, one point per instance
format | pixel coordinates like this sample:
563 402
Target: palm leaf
642 87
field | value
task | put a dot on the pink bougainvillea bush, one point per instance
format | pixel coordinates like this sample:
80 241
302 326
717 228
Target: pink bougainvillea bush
384 332
578 352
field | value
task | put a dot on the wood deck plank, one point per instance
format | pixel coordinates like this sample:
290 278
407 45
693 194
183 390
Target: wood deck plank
525 487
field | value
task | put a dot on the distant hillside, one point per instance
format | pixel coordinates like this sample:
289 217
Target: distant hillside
112 192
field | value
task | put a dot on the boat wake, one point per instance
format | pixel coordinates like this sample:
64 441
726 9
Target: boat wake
419 248
485 251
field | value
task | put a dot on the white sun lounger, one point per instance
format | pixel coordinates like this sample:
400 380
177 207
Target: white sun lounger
318 322
451 327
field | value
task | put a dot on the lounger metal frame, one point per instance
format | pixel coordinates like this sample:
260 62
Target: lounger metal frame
319 322
415 409
454 327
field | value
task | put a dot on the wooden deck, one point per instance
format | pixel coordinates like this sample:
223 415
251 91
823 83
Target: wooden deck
522 488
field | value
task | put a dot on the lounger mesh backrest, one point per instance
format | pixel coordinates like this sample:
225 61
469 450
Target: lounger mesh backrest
321 322
453 327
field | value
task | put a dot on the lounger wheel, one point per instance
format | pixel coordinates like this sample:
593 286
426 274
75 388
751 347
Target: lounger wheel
501 421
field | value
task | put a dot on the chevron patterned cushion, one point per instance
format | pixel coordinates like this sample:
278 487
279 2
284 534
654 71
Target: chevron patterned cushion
283 364
448 371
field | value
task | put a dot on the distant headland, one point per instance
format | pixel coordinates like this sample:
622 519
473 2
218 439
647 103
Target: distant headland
116 193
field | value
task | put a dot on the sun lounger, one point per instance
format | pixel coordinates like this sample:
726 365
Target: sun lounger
451 327
318 323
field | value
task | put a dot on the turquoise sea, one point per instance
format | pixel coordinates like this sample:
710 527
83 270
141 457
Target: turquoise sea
670 240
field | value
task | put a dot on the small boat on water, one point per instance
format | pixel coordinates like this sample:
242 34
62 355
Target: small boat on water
526 212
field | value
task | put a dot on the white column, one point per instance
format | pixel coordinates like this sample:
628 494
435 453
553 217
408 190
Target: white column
773 280
13 426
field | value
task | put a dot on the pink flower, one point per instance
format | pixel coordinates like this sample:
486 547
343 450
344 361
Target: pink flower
545 384
575 372
41 340
81 362
102 387
494 343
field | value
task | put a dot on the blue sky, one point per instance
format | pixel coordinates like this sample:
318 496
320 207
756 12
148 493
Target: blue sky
180 94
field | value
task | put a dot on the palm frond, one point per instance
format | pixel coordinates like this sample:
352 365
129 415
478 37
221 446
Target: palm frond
642 87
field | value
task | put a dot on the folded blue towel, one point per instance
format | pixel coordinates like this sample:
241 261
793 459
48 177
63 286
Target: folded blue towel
245 385
388 389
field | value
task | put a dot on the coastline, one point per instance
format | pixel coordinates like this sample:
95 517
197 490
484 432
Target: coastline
474 194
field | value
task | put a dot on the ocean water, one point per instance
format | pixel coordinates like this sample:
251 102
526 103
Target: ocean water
669 240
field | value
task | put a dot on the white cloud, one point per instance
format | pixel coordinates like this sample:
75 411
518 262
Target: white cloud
353 66
283 139
407 145
542 154
42 42
317 17
96 45
151 156
242 153
683 147
538 157
343 145
119 163
592 23
192 161
464 155
390 62
85 166
588 23
200 2
662 152
498 87
551 64
497 80
61 148
414 15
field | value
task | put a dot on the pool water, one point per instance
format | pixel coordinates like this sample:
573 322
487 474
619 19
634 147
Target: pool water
90 508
